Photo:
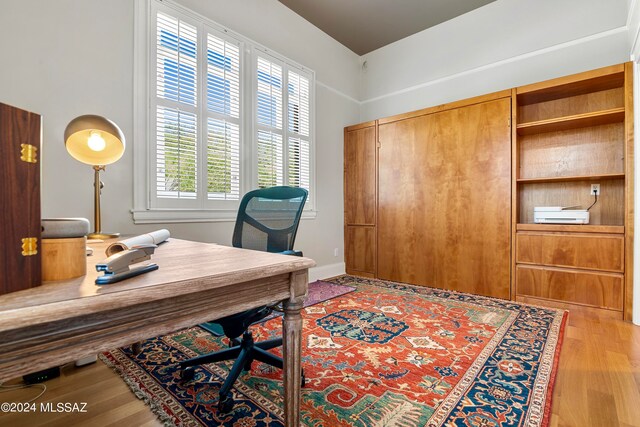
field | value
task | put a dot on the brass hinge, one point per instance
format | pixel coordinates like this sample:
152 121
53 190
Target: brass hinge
29 153
379 144
509 122
29 246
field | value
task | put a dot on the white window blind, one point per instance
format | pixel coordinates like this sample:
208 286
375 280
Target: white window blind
197 130
283 136
299 142
270 163
176 112
216 130
269 119
223 121
176 153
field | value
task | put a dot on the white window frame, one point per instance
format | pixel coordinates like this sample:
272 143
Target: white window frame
146 209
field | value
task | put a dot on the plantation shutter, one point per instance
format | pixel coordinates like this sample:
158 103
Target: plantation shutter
176 108
204 129
223 119
198 111
283 117
270 141
299 135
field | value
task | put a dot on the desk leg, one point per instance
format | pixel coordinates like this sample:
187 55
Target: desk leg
292 348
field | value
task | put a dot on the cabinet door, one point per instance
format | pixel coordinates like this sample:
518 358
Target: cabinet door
444 199
360 176
360 250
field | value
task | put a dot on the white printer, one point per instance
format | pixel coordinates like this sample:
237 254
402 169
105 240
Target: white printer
560 215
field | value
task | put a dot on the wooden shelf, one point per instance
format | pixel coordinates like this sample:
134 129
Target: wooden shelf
574 228
577 84
601 177
595 118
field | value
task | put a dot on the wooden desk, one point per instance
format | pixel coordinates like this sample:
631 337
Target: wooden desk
60 322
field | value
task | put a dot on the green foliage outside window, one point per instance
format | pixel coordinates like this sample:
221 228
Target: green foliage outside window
180 168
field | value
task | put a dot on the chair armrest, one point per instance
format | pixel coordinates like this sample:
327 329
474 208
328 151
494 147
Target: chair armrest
294 253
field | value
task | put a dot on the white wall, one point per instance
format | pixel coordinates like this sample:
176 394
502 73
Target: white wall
502 45
65 58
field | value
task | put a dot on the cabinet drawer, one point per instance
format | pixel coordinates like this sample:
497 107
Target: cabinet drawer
594 252
603 290
360 249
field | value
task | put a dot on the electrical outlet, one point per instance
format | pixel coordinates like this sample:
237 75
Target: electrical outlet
335 252
595 189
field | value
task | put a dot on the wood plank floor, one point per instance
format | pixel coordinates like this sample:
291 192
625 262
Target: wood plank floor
598 384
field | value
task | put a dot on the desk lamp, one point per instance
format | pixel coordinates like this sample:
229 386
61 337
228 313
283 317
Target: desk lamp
98 142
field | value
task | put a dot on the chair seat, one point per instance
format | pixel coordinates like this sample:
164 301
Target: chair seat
235 325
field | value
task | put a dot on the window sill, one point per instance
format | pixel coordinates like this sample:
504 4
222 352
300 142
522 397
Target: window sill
168 216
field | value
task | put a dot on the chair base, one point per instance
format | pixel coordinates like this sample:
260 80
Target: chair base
244 353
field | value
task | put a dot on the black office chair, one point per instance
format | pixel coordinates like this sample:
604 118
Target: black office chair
267 221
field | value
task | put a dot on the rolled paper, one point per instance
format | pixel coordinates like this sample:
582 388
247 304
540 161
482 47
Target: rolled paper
153 238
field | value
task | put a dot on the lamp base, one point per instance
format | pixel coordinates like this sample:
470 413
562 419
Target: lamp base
102 235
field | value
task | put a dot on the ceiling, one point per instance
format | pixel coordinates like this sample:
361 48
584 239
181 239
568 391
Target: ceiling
366 25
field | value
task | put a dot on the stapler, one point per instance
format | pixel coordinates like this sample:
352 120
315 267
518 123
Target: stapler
116 267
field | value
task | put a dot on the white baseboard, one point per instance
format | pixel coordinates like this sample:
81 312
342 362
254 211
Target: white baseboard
326 271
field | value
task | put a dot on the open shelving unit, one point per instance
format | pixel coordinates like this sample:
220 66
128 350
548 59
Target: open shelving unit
593 118
569 133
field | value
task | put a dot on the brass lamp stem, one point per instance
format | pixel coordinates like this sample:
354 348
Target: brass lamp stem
97 187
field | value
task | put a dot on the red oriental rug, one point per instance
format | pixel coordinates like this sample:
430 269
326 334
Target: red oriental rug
388 354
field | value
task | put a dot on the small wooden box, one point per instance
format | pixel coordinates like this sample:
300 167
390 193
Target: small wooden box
20 259
64 259
64 248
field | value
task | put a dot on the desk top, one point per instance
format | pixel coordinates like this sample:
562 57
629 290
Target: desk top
185 267
63 321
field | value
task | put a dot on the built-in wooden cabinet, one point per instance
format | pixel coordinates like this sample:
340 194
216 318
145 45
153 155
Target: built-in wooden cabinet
441 197
445 196
569 133
360 171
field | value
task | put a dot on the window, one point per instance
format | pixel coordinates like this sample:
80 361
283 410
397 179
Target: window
217 127
283 139
197 132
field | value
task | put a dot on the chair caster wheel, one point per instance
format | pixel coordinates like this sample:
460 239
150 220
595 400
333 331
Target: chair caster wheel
225 404
303 381
187 374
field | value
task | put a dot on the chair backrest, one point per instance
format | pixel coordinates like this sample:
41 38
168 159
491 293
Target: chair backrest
268 219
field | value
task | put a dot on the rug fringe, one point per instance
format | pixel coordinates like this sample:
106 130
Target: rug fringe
156 407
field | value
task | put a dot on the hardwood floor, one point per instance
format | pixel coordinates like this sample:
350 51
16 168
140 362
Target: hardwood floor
109 400
598 384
